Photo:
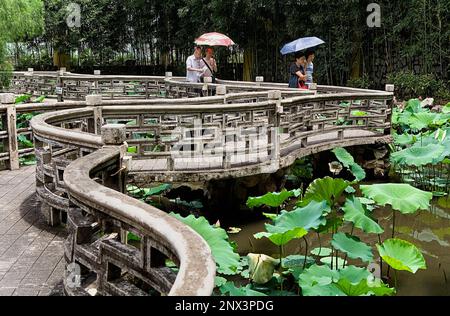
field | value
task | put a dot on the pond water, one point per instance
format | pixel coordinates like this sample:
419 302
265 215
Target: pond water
428 230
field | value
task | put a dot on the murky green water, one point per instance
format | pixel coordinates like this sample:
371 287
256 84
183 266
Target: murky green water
429 230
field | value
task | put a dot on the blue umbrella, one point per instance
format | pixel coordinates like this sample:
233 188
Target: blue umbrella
301 44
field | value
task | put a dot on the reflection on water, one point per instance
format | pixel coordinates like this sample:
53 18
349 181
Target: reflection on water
428 230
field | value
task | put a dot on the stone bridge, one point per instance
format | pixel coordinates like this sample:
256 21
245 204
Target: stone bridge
162 129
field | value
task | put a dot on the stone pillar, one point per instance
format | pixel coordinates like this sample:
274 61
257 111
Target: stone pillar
9 122
389 108
115 135
205 90
221 90
59 85
259 80
95 123
274 137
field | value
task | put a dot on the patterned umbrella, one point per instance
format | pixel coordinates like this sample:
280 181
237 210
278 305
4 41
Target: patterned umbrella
214 39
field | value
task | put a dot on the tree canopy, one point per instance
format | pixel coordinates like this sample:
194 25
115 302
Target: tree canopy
414 35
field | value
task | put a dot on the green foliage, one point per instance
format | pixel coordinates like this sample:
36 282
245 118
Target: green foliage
419 155
356 213
422 144
363 82
226 259
295 224
231 289
402 197
409 85
402 255
275 199
353 247
351 281
144 193
326 189
349 162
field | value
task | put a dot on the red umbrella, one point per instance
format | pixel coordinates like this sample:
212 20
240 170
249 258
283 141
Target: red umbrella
214 39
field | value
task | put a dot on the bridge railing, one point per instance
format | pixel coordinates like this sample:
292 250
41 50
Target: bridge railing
71 86
16 139
81 179
83 166
190 142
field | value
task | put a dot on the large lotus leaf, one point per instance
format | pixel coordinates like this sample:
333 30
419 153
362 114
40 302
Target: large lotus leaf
349 162
326 189
350 281
402 197
309 217
418 155
354 274
420 121
261 267
331 261
404 118
402 255
318 275
280 236
363 288
353 247
414 106
230 289
404 139
325 290
275 199
356 213
226 259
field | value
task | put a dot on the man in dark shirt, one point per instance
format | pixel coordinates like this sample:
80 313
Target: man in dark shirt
297 72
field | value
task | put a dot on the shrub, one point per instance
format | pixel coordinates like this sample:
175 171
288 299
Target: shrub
5 74
363 82
409 85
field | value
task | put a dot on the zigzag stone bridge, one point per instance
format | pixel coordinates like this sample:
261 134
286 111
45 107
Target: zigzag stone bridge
162 129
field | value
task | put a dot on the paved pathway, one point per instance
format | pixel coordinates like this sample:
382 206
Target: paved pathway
31 253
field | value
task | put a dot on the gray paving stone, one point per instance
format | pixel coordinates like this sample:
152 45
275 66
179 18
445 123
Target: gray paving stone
31 253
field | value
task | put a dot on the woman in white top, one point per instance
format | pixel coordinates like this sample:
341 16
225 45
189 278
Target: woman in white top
211 62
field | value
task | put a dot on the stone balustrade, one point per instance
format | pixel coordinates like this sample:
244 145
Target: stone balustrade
87 151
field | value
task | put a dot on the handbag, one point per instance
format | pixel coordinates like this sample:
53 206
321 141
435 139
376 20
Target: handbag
212 72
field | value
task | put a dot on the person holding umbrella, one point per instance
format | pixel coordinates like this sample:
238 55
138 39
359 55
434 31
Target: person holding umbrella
310 55
300 45
211 40
195 66
297 72
211 64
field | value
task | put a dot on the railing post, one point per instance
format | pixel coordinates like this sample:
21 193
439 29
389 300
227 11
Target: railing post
115 135
221 90
389 108
205 89
95 123
96 85
274 137
11 144
59 85
259 80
